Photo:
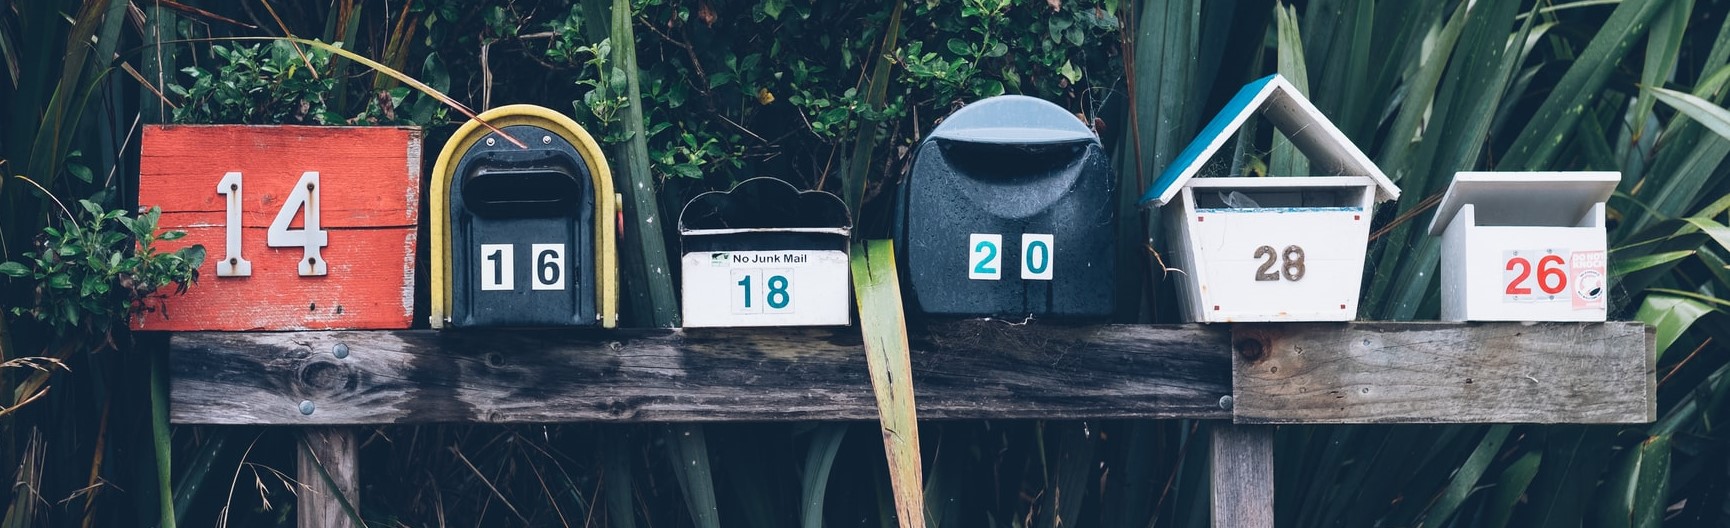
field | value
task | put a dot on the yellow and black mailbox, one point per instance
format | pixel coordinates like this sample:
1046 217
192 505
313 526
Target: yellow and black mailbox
523 231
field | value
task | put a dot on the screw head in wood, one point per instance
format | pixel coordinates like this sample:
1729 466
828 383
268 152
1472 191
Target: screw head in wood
1226 402
340 350
306 407
491 141
546 140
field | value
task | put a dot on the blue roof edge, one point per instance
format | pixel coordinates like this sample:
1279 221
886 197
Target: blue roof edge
1221 125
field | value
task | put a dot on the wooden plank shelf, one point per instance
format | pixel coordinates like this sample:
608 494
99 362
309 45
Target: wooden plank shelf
976 369
1251 374
1445 373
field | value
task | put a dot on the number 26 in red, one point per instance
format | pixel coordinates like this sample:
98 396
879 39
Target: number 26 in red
1549 267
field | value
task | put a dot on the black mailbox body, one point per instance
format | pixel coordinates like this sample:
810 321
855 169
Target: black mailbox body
1009 210
522 225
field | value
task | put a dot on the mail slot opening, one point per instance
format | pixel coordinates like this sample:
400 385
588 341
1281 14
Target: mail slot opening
1279 198
523 190
1012 160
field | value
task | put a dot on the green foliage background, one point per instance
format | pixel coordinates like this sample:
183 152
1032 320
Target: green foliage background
734 89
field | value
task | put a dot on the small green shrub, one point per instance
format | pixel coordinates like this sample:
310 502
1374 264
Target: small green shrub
89 274
279 84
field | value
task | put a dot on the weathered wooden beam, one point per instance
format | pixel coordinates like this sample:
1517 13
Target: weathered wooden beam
1242 475
977 369
1444 372
328 455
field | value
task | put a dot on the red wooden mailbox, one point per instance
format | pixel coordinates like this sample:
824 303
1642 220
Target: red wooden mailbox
303 227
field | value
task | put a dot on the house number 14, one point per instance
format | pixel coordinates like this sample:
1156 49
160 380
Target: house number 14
310 237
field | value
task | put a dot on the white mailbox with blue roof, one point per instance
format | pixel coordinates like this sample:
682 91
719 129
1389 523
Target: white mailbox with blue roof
1270 248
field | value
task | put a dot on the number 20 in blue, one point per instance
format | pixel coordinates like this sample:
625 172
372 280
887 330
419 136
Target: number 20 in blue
986 256
753 292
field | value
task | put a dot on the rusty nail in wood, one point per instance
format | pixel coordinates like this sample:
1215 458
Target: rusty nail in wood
1250 349
340 350
306 407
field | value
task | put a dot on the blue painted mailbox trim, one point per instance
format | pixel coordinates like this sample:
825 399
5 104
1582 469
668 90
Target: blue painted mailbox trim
1221 125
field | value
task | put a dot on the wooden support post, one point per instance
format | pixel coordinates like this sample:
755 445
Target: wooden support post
335 450
1242 458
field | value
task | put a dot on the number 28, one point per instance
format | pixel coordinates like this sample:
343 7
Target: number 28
1293 270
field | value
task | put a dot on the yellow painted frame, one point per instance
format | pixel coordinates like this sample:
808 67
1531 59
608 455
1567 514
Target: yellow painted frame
606 203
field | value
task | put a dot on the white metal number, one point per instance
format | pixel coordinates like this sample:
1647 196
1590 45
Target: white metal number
497 271
310 236
1036 256
232 264
987 257
549 266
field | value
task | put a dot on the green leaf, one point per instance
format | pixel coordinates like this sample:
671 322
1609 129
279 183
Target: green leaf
80 171
60 281
1286 160
1635 492
13 269
1465 479
1663 48
814 480
773 8
1714 117
689 450
1621 267
959 47
1541 142
1671 315
876 288
1510 488
1070 72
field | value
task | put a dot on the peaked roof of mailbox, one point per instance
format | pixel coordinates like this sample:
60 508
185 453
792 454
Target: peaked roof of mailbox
1293 114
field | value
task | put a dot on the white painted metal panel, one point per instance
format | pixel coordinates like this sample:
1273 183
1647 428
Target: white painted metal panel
1524 273
766 288
1279 264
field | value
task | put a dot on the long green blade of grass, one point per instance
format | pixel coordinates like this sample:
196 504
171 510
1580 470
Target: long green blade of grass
1285 160
819 460
876 90
643 254
878 290
1465 479
160 439
689 450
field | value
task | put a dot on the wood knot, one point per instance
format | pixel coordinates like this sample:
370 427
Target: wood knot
324 375
1251 350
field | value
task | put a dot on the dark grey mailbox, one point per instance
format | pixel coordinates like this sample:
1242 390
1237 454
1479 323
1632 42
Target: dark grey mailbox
522 232
1009 210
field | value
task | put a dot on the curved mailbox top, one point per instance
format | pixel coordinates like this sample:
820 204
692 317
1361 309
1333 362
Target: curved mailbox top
1013 120
764 203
